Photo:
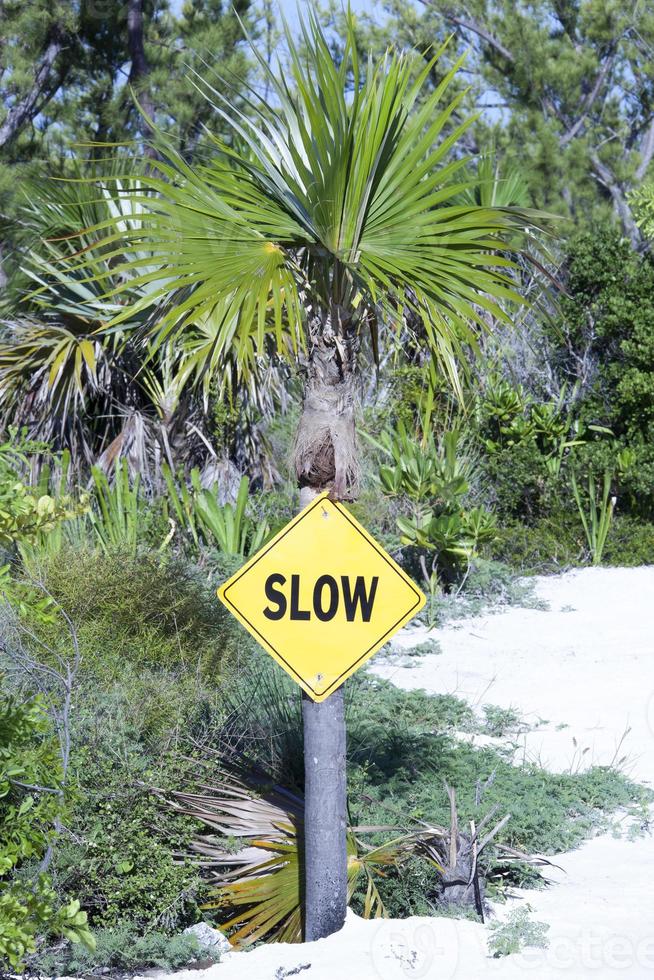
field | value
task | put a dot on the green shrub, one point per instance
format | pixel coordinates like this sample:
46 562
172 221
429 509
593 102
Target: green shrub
120 857
146 610
123 948
518 482
155 648
27 512
551 545
434 475
30 800
515 933
630 542
499 721
606 322
408 391
228 527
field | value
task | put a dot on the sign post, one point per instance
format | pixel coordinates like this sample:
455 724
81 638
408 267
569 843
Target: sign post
322 597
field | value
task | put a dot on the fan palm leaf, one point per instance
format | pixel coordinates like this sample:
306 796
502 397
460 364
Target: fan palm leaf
258 887
325 200
79 383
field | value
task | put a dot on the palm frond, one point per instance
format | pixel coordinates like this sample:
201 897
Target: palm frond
325 198
257 886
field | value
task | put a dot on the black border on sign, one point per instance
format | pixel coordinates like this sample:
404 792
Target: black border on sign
370 540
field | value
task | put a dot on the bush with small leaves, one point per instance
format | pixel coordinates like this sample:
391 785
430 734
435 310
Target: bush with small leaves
515 933
123 948
31 798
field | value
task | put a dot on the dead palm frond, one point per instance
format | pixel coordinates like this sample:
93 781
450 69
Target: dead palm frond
251 853
102 392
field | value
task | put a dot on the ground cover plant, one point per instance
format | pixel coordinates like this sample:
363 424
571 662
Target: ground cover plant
398 775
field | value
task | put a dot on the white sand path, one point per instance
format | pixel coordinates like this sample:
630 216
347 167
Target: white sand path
587 663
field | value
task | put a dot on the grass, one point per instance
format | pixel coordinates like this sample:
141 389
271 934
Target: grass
499 722
489 585
408 656
402 748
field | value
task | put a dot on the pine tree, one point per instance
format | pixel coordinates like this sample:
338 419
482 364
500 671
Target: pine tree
564 87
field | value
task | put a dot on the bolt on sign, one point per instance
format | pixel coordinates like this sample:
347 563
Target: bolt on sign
321 597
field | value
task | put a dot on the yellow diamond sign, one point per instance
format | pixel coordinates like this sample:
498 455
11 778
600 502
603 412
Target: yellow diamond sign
321 597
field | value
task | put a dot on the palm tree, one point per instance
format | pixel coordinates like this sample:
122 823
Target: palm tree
79 384
334 214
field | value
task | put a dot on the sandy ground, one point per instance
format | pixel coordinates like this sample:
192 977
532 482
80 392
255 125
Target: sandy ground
587 663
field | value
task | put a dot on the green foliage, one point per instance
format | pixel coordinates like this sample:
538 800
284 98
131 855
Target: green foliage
144 610
519 484
227 527
454 538
630 542
402 765
597 518
642 202
516 932
536 59
124 867
98 392
31 797
152 640
28 756
423 469
435 477
509 417
116 521
551 544
25 512
503 410
413 393
528 445
401 752
124 948
604 335
79 96
499 722
260 897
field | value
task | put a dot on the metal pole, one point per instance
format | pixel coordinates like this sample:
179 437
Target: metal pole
325 808
325 815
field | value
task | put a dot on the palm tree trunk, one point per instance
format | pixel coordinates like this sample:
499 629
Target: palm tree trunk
325 452
326 459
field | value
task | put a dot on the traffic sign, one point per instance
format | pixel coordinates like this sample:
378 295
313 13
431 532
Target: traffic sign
321 597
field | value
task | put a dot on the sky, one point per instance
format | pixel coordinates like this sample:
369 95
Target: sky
290 7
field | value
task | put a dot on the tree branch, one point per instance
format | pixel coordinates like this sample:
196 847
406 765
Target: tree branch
25 109
139 69
607 179
646 152
589 100
468 24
